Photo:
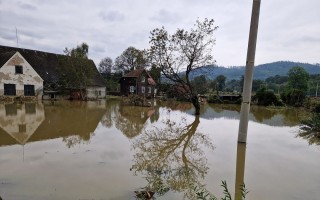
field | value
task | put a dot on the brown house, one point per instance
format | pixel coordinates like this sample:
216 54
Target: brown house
138 82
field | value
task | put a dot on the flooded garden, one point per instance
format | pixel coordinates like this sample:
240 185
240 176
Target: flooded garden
104 150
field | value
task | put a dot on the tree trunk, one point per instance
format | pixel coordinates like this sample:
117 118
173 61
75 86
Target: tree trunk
196 104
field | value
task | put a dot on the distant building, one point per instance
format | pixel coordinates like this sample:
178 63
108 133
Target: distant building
35 74
138 82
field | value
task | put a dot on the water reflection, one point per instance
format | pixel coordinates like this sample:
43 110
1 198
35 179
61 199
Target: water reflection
130 120
20 121
171 156
74 122
309 129
240 169
264 115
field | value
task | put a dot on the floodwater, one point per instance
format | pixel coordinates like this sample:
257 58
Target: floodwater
109 151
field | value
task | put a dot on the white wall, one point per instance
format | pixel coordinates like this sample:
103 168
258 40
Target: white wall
29 76
96 92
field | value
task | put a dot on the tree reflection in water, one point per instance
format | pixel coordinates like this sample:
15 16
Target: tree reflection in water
171 157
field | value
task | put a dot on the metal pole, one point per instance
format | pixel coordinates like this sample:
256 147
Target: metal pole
317 89
247 86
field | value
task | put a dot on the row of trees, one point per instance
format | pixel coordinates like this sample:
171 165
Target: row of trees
175 56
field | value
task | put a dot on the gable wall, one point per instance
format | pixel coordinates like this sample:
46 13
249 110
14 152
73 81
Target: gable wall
29 76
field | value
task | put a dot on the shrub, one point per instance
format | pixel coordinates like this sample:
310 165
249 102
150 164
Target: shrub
266 97
293 97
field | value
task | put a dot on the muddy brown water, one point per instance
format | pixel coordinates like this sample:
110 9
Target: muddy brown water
106 150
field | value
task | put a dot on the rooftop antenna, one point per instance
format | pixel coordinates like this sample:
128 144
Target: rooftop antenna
17 37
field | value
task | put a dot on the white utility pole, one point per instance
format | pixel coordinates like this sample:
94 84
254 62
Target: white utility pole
247 86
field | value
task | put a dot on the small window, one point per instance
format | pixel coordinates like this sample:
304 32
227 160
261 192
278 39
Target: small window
143 79
131 89
149 90
29 90
11 109
19 69
98 92
30 108
22 128
10 89
142 89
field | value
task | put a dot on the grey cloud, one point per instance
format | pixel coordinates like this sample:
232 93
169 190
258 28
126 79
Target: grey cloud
165 16
111 16
98 49
27 6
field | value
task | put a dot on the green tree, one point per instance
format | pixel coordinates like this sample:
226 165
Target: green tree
221 82
179 54
257 84
105 65
81 51
298 78
131 59
200 84
76 70
266 97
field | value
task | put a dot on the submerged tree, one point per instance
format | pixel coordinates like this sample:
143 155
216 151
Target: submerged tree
179 54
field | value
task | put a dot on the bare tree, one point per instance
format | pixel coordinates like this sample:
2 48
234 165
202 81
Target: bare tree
179 54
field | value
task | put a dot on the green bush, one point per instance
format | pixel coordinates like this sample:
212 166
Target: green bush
213 98
293 97
266 97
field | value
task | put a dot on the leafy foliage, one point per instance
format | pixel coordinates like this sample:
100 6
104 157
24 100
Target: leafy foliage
221 82
266 97
183 52
81 51
261 72
293 97
106 65
200 84
131 59
298 78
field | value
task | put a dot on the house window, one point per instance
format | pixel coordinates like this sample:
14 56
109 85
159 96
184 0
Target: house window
29 90
10 89
98 93
11 109
142 89
131 89
30 108
22 128
19 69
149 90
143 79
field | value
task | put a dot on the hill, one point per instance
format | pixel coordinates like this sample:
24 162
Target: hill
260 72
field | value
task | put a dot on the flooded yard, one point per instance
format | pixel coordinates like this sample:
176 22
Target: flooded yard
109 151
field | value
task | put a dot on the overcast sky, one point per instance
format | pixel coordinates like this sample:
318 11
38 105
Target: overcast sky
288 29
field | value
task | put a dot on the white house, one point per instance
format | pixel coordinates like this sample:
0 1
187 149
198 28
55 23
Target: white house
37 74
18 78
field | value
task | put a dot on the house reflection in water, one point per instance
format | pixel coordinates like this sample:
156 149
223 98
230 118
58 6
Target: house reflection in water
74 122
20 121
130 120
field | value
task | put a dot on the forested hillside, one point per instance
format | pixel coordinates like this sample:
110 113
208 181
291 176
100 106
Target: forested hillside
260 72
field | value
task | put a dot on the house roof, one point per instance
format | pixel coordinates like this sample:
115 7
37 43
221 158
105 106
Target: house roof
46 64
138 72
